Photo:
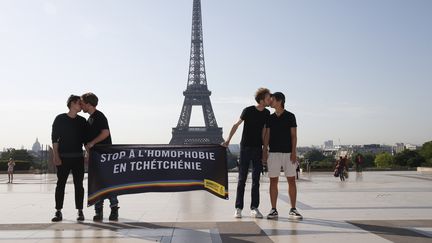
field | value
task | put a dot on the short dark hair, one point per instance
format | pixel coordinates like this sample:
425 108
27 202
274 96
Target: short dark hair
90 98
279 96
260 94
72 98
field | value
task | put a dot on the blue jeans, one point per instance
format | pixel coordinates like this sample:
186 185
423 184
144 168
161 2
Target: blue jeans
249 155
113 202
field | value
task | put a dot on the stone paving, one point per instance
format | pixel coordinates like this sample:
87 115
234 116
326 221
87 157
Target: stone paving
368 207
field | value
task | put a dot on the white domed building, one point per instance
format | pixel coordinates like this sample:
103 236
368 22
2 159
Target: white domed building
36 146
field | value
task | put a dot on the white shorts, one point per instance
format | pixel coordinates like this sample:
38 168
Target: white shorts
276 161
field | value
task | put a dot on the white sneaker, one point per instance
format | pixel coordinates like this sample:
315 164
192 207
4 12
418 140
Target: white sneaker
237 213
255 213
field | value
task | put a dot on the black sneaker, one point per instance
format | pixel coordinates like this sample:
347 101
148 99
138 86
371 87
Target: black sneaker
58 217
114 214
294 214
80 215
99 214
273 214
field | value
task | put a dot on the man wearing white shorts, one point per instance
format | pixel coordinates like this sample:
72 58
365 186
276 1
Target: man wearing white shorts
277 160
281 139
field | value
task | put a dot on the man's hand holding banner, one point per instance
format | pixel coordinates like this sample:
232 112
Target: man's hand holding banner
125 169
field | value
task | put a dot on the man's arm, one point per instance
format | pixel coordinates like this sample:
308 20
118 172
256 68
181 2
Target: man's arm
232 132
293 144
55 138
86 154
56 155
102 136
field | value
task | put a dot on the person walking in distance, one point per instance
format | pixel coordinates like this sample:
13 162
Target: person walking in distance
68 135
251 150
359 162
340 167
98 133
11 165
281 139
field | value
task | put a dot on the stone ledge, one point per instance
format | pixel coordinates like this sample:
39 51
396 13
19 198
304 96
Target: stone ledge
424 169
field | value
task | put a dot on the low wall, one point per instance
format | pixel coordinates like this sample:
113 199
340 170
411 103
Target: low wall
424 169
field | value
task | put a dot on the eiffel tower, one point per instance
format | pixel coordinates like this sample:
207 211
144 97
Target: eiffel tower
197 94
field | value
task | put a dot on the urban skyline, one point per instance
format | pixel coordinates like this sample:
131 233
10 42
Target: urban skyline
37 145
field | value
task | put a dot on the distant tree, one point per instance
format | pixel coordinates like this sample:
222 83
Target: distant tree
6 154
416 161
368 160
409 158
314 155
18 155
426 152
384 160
428 162
21 157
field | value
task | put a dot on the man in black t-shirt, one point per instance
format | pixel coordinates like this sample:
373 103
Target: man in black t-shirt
281 138
251 150
98 133
68 135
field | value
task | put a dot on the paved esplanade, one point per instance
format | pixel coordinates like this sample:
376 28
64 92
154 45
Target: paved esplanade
372 207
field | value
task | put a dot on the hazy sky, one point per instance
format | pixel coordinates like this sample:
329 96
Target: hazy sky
355 71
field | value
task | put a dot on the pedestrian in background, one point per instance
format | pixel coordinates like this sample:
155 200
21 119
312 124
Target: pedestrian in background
11 165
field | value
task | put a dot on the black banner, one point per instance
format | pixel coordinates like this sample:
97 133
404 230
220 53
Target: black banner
125 169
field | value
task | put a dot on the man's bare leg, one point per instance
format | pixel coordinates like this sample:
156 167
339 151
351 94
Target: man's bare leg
274 191
292 190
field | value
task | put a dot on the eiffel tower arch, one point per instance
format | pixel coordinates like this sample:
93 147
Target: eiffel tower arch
197 93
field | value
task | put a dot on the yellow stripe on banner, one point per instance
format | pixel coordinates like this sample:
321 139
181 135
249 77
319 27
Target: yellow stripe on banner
163 184
215 187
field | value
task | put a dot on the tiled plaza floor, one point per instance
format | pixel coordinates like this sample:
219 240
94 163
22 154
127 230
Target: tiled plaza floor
368 207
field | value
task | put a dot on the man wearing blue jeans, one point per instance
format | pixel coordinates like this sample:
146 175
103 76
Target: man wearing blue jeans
251 150
98 133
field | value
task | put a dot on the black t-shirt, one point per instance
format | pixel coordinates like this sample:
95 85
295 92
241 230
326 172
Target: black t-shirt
254 122
280 131
69 133
95 124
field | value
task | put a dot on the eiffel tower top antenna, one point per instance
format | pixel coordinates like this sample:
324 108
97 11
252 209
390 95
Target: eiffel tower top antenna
197 76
